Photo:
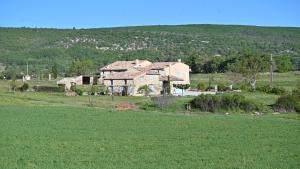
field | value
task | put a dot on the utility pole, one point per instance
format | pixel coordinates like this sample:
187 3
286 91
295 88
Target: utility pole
27 69
112 95
271 70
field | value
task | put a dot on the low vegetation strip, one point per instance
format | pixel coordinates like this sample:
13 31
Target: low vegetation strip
66 137
214 103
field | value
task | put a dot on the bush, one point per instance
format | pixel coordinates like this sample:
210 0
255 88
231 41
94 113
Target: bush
279 91
163 101
235 87
213 103
272 90
201 86
265 89
222 87
245 87
288 103
49 88
145 89
24 87
79 92
296 92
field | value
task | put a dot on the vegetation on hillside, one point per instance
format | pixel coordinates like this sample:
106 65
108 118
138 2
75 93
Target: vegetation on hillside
43 48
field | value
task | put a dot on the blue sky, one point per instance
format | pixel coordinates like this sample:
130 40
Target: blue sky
112 13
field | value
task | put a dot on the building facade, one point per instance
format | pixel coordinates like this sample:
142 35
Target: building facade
126 77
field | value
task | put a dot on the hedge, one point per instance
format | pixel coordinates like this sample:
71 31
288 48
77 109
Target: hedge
214 103
48 88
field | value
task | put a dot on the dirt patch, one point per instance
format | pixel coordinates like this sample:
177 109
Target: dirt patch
125 106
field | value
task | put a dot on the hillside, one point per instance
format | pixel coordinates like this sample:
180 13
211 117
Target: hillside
41 47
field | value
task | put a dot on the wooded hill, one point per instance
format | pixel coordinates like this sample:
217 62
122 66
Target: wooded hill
42 47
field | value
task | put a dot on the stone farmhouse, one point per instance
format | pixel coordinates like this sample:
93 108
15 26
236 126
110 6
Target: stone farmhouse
125 77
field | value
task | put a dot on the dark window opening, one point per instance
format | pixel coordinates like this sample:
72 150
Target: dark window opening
86 80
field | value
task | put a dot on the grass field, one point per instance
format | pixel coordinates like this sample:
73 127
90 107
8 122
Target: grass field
287 80
68 137
50 130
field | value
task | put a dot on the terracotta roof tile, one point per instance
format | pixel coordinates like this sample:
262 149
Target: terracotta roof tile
121 65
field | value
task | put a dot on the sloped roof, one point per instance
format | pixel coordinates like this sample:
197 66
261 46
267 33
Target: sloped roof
172 78
128 75
121 65
159 65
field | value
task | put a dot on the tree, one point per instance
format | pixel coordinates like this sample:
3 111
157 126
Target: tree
250 65
80 67
54 70
145 89
283 63
182 86
13 83
192 62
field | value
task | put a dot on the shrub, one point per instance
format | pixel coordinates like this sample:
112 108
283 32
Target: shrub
235 87
201 86
279 91
265 89
94 89
145 89
49 88
79 92
245 87
213 103
13 85
296 92
272 90
222 87
287 103
24 87
163 101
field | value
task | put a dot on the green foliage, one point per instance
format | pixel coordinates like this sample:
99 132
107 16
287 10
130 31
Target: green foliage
2 77
78 91
54 70
201 86
132 140
163 101
13 85
222 87
289 102
48 88
182 86
145 89
10 73
212 64
283 64
214 103
191 61
80 67
43 47
24 87
250 65
272 90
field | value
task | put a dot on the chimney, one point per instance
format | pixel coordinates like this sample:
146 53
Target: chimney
179 60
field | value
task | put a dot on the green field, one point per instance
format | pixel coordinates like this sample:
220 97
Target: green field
50 130
66 137
287 80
